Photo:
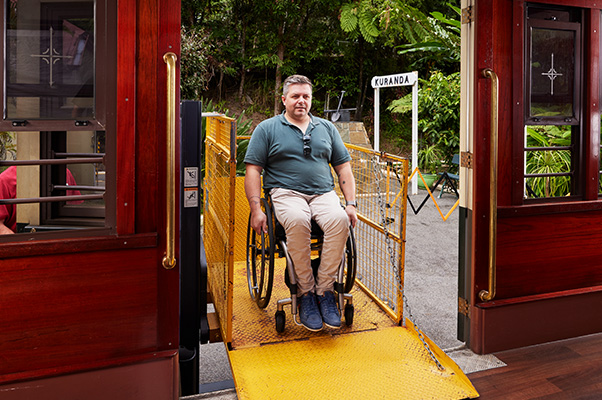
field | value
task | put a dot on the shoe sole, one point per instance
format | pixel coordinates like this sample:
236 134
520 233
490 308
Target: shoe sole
312 329
332 326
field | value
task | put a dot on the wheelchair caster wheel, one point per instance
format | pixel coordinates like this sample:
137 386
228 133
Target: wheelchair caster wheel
280 321
349 311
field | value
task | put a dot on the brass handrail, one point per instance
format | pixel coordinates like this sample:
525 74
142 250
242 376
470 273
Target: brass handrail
169 261
487 295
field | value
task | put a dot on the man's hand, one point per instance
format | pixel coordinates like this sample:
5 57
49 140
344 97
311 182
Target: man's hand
259 222
351 213
253 190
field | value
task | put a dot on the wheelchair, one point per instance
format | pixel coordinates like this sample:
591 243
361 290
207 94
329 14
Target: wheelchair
261 252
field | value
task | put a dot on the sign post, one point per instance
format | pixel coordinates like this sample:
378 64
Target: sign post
406 79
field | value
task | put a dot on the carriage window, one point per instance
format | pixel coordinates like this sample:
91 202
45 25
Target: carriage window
54 173
553 107
50 61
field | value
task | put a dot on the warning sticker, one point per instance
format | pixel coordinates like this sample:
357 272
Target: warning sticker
191 197
191 177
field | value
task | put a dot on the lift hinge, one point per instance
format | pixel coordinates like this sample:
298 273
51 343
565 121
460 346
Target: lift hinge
466 159
463 307
467 16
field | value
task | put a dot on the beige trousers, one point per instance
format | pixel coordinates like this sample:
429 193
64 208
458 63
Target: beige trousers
294 211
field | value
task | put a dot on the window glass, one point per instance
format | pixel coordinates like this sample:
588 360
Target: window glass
553 135
552 73
53 168
548 161
50 62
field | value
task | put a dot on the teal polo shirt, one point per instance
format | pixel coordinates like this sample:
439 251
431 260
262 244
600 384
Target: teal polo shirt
277 146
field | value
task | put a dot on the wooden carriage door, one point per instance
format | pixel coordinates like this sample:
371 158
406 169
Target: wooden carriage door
540 224
89 306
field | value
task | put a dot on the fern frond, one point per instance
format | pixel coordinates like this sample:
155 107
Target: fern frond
349 20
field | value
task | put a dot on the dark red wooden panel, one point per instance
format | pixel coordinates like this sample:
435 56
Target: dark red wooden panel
152 378
507 324
548 253
592 103
126 116
150 122
77 309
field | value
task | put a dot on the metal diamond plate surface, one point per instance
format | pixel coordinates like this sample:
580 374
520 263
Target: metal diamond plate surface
253 326
388 363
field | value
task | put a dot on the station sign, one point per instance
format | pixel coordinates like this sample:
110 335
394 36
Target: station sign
405 79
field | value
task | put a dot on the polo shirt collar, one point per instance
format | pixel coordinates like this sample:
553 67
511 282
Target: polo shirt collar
312 120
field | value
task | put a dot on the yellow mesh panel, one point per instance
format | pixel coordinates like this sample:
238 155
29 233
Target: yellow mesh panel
219 203
381 194
241 221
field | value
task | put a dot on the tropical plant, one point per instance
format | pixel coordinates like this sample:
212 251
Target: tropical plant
438 111
548 161
435 38
429 158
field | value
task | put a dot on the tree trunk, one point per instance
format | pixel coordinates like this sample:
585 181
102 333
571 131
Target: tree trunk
359 105
219 85
243 72
278 83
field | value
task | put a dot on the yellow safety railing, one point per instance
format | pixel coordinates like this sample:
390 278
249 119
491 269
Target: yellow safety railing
218 215
381 187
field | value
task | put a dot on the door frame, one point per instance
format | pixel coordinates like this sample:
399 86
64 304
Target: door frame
493 38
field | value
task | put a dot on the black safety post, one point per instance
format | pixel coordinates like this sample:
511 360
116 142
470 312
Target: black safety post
193 268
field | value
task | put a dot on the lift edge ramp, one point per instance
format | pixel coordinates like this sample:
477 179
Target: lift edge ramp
380 364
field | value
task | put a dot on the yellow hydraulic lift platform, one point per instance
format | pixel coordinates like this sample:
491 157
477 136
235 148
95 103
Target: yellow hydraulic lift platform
375 357
372 359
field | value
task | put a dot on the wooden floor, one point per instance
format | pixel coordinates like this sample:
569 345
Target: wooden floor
569 369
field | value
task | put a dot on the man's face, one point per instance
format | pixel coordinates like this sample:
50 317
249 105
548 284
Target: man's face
297 101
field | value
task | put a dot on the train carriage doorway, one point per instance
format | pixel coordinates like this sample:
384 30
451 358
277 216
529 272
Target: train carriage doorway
530 254
89 275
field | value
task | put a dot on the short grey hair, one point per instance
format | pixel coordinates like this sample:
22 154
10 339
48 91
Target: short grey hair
295 80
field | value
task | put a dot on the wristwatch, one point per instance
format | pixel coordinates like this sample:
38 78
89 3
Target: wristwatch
351 203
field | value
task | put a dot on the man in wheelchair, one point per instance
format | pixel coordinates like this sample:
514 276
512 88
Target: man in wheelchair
294 151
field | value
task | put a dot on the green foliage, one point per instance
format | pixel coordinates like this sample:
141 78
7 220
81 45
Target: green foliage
241 48
243 128
438 113
8 147
436 38
194 64
429 159
548 161
363 17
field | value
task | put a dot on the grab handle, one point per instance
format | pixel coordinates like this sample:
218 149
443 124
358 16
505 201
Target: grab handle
487 295
169 261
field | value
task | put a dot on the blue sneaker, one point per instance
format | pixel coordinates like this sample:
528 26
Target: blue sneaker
329 310
309 314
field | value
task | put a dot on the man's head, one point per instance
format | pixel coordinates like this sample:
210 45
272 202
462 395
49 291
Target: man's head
296 96
294 80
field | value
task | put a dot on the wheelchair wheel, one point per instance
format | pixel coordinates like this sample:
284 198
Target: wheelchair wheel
351 257
349 311
260 261
280 321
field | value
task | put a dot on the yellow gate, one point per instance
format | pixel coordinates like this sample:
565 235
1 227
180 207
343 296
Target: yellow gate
373 358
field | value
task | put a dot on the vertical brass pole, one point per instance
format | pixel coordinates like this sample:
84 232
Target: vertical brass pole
487 295
169 261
